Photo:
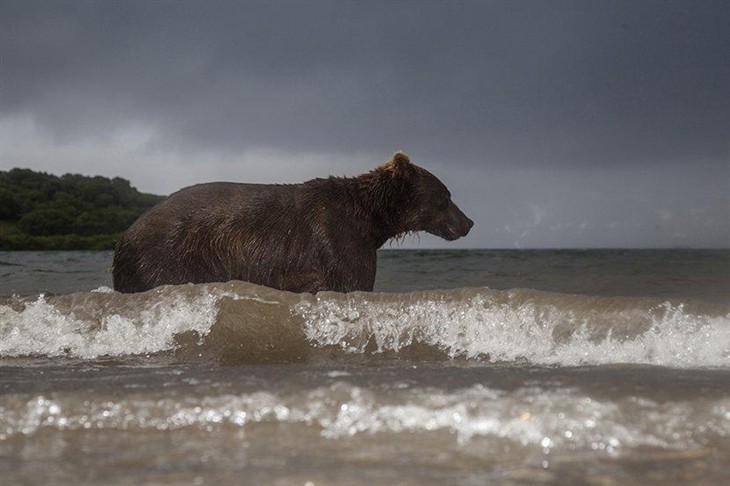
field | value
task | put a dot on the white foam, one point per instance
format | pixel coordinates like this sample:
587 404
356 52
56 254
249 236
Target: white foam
103 289
542 419
539 328
522 330
42 329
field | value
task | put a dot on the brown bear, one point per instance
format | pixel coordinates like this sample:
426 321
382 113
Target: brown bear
319 235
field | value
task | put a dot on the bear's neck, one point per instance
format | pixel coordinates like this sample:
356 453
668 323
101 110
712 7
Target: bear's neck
376 200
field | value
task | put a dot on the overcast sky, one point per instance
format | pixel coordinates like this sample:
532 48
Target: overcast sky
554 124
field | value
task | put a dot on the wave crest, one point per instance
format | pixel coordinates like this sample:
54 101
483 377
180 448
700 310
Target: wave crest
241 322
537 327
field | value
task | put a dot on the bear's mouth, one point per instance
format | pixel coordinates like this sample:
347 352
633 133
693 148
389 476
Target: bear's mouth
453 227
451 233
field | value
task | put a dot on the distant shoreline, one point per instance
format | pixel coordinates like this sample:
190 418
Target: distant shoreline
44 212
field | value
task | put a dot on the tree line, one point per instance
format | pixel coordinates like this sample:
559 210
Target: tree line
40 211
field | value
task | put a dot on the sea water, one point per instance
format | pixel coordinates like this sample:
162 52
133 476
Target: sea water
464 367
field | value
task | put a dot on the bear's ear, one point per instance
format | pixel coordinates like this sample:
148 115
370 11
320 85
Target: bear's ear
399 165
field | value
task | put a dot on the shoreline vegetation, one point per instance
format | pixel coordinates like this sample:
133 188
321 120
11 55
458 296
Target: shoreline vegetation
40 211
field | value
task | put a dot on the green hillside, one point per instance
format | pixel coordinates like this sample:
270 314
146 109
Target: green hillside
39 211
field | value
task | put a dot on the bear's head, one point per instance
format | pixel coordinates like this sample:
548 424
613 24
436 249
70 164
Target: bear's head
421 202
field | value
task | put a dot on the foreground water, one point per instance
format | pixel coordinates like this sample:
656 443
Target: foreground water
600 367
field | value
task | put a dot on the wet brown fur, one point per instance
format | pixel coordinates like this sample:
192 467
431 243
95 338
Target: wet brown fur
319 235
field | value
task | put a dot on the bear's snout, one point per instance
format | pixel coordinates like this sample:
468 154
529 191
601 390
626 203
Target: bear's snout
455 225
468 225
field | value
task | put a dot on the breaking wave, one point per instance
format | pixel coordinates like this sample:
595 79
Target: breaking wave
242 322
532 417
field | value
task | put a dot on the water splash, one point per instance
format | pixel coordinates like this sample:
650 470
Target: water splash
246 320
542 419
540 328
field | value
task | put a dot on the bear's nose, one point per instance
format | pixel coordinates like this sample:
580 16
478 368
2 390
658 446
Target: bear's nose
467 226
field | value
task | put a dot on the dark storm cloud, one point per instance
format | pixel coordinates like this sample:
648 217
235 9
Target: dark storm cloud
528 84
554 123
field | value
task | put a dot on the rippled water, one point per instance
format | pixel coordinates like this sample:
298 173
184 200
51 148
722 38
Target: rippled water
526 367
